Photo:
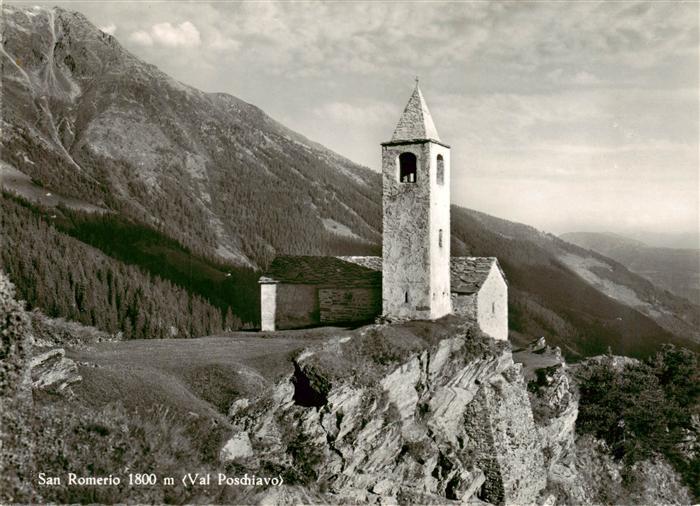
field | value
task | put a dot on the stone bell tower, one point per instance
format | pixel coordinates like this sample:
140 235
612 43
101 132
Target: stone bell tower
416 200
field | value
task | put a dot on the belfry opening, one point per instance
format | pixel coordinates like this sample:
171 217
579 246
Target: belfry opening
408 168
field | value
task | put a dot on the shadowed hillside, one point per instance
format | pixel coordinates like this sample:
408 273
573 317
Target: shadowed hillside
581 302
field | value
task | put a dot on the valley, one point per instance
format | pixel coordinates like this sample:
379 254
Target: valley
674 269
203 190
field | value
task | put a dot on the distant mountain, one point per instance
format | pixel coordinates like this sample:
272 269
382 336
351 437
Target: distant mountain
677 240
675 270
201 189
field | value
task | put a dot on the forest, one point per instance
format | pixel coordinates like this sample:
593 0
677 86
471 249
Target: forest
66 277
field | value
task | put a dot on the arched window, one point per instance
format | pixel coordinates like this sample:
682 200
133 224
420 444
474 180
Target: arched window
407 168
440 170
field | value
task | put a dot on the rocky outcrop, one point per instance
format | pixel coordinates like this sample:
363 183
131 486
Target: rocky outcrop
418 413
238 447
580 468
555 409
501 428
53 372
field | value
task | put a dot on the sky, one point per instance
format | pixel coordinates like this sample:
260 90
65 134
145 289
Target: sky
568 116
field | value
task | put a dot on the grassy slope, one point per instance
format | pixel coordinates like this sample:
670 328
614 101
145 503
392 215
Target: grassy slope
675 270
202 376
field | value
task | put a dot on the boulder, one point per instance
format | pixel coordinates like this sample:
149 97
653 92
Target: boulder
52 371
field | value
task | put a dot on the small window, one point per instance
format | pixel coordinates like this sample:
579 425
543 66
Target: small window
440 170
493 308
407 168
440 238
405 297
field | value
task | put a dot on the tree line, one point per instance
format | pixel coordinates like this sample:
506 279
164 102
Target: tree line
65 277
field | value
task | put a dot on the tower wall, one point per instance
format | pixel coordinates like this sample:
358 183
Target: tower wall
440 226
415 261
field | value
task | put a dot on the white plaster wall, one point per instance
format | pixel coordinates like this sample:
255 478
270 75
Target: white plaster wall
441 303
492 305
268 306
413 213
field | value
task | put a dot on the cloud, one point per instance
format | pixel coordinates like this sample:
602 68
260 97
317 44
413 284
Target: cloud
219 42
141 37
165 34
556 103
562 77
185 34
357 114
111 28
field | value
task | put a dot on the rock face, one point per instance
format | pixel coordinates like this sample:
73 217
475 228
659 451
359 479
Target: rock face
238 447
440 416
501 428
52 371
555 409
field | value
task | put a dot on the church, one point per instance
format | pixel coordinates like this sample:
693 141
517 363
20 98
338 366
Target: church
416 278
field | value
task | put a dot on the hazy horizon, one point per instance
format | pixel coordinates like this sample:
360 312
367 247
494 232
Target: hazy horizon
567 116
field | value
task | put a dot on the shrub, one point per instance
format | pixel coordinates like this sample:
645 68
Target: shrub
111 441
645 408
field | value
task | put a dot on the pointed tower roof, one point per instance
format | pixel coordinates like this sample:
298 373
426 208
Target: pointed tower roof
415 123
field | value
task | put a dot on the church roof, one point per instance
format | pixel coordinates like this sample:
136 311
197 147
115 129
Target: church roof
415 123
350 272
467 274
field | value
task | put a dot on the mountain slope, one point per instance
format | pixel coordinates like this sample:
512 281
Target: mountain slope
579 300
87 121
675 270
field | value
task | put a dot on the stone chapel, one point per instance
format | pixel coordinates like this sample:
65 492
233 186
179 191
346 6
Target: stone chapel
416 277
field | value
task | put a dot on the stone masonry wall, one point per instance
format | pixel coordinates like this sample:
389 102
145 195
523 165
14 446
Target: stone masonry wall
502 434
464 305
413 262
441 303
347 305
296 306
